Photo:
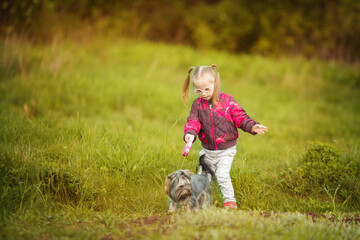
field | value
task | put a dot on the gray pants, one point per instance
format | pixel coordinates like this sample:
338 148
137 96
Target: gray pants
220 162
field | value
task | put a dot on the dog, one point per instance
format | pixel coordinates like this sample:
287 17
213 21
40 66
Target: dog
190 190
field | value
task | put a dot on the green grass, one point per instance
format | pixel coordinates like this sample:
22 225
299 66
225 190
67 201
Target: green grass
213 223
89 131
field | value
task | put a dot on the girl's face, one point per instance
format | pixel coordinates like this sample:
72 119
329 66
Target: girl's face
204 87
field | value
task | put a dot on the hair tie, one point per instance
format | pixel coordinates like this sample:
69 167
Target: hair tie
190 69
217 68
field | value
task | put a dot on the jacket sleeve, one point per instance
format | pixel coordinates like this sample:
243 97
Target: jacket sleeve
240 118
193 125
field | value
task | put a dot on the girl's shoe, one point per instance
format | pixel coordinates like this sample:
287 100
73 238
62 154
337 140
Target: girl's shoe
230 205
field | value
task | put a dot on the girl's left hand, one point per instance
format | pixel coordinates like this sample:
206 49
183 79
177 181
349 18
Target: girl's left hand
259 129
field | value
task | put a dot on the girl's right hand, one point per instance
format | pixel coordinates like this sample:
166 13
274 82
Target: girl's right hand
189 137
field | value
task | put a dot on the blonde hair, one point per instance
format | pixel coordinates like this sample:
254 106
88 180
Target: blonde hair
199 72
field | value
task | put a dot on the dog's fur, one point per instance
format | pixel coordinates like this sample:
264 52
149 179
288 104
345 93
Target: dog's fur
190 190
205 168
187 189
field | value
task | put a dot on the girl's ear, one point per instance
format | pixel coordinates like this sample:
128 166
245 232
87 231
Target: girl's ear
185 90
215 98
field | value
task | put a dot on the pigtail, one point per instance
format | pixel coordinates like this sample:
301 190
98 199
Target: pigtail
215 97
185 90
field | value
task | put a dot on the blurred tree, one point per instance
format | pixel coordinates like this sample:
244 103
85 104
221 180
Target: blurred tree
311 28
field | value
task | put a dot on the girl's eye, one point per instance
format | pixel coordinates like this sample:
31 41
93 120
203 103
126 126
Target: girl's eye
207 89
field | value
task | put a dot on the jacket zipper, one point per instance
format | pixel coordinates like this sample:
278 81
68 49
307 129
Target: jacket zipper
212 126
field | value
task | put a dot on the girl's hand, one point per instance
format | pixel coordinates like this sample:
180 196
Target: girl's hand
259 129
188 137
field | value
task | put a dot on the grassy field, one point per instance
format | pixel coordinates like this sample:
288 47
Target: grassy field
90 129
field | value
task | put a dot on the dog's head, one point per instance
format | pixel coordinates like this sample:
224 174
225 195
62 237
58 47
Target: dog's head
178 186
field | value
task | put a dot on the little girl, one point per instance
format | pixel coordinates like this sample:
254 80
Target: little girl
214 119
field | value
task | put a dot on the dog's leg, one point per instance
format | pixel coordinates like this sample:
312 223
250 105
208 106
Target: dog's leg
193 204
188 204
189 208
172 206
202 200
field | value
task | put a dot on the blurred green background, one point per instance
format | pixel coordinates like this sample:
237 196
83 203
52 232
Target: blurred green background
91 118
311 28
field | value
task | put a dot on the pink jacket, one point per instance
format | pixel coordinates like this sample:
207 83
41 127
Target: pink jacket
216 126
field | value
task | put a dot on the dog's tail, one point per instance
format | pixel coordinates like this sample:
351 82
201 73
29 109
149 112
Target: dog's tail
205 166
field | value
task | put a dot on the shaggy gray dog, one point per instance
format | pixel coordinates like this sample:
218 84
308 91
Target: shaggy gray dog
187 189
